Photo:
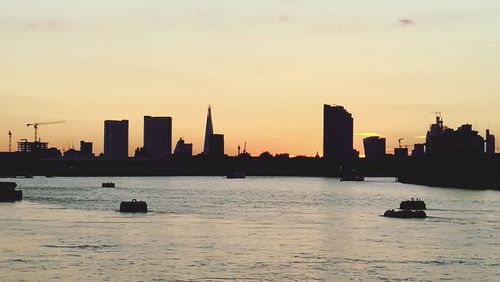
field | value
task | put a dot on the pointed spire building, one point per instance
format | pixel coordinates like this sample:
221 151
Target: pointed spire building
209 130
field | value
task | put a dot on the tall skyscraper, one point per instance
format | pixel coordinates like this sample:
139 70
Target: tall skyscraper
116 139
374 147
337 133
158 136
209 130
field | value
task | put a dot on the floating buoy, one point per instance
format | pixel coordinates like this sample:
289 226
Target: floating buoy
133 206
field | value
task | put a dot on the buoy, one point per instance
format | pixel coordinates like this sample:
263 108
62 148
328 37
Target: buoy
133 206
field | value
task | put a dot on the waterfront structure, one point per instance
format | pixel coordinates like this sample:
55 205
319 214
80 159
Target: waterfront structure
490 143
209 130
158 136
183 149
374 147
116 139
337 133
216 145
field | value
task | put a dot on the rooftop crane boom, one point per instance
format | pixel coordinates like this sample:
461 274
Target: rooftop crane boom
36 124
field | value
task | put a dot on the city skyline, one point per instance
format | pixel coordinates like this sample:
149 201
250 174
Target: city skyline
390 67
229 151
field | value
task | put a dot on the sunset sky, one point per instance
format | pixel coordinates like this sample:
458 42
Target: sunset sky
266 67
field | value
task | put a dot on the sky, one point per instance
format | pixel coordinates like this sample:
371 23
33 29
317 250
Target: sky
265 66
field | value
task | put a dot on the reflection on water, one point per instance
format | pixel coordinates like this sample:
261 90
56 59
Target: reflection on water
203 228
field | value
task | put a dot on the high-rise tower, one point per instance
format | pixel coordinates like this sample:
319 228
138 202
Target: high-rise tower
158 136
337 133
116 139
209 130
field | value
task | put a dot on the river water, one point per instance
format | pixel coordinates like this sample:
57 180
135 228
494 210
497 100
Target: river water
254 229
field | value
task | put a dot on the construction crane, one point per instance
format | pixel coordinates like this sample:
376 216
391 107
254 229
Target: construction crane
438 114
36 124
10 141
439 118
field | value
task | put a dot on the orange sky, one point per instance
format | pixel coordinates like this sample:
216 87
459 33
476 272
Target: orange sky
266 67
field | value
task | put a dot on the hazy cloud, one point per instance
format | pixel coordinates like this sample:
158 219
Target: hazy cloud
406 22
48 24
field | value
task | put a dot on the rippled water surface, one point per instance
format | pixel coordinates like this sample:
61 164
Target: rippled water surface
211 228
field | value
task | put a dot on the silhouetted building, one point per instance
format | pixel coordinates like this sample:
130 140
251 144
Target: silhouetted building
140 152
355 154
31 147
441 139
374 147
158 136
337 133
282 156
418 150
183 149
116 139
435 129
209 130
37 149
71 153
86 149
401 153
216 145
490 143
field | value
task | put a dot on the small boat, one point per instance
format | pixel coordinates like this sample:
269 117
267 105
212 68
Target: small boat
8 192
108 185
235 174
413 205
405 214
134 206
